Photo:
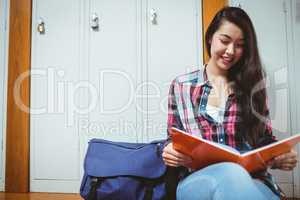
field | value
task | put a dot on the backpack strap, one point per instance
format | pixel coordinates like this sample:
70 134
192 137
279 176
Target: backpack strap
95 183
149 190
172 177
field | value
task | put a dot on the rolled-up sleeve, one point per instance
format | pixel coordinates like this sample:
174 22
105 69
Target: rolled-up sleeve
173 114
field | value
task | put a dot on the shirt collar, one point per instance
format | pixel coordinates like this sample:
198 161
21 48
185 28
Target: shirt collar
206 81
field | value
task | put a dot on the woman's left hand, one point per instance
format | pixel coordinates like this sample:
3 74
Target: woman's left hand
286 161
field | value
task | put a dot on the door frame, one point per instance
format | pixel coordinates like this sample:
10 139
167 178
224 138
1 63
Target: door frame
17 125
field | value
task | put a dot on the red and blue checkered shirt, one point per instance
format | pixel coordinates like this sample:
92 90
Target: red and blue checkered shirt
187 103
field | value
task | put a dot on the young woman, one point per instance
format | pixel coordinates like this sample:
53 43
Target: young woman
225 102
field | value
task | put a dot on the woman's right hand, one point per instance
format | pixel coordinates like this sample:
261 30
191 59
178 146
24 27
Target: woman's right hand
174 158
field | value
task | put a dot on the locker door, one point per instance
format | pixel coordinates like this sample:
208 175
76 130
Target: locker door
173 47
113 69
3 80
270 19
54 145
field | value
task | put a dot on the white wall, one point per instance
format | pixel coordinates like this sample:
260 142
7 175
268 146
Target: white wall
296 63
3 80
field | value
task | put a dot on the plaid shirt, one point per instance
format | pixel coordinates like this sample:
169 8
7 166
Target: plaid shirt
187 102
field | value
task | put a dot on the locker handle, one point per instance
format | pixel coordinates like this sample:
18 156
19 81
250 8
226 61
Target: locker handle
41 26
153 16
94 22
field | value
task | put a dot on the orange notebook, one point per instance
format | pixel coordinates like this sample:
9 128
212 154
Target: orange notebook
204 152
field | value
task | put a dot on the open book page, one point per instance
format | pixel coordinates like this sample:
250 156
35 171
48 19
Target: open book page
254 160
204 152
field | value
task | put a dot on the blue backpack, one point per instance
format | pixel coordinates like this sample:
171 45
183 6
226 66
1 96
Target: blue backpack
125 171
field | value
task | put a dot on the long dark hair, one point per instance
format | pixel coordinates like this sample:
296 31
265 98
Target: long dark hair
247 74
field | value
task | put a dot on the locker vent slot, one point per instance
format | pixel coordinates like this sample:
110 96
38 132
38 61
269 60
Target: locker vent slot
297 11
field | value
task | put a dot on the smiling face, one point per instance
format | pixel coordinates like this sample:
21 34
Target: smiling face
227 45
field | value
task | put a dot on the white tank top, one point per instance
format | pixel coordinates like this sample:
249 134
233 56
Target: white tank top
217 113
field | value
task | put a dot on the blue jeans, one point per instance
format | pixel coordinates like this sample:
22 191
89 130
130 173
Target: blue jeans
222 181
